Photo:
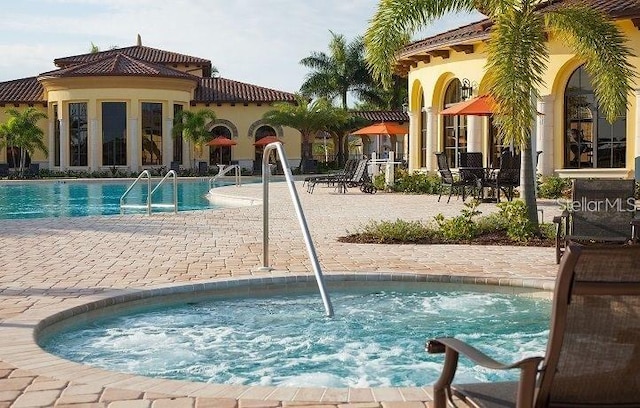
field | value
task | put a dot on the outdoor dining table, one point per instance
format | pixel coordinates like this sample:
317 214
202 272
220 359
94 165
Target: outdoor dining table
482 175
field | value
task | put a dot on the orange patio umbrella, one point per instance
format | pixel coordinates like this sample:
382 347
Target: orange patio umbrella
483 105
266 140
382 128
222 141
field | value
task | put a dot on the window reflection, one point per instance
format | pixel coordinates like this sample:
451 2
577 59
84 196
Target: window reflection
590 140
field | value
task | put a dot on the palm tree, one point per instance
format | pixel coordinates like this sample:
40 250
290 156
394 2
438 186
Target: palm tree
380 97
340 131
517 57
21 130
342 71
308 118
192 125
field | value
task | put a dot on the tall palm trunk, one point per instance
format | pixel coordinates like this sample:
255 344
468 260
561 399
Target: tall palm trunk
23 160
528 180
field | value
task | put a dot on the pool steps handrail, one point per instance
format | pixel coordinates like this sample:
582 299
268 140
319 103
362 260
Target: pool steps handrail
174 175
223 171
266 175
149 204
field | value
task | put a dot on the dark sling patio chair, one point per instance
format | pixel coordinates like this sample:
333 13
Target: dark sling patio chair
507 178
593 353
600 210
466 180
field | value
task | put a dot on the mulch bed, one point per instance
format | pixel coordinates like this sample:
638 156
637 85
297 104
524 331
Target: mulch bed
493 238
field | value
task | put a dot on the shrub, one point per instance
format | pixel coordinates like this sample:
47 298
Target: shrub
553 187
462 227
380 182
396 231
518 226
416 183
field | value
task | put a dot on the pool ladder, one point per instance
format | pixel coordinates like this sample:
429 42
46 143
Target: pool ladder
266 174
223 172
149 204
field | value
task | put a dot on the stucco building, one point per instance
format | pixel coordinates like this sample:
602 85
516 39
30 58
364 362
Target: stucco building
116 108
571 132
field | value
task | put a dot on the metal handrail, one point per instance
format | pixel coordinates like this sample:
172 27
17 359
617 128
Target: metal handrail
224 171
173 174
266 173
148 175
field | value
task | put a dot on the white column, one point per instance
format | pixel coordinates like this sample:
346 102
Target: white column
64 144
413 141
95 158
167 144
133 146
544 135
474 133
51 144
432 138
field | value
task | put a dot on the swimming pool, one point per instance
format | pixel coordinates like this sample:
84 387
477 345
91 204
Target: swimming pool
375 339
75 198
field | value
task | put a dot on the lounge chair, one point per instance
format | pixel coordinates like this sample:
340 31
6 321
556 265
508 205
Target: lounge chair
332 178
466 179
593 353
600 210
359 178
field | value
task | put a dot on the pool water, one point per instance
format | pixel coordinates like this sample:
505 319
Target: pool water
83 198
375 339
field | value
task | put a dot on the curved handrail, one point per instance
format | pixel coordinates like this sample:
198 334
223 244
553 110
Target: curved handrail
226 170
266 173
143 174
171 173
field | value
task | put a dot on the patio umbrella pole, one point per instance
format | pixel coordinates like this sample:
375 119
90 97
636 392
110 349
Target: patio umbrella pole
301 220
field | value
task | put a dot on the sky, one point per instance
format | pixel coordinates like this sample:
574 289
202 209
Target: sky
260 42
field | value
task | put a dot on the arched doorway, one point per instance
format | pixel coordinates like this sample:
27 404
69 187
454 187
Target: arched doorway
590 141
262 131
220 154
454 129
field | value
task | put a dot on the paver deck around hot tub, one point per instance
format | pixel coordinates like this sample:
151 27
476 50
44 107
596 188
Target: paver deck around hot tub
50 265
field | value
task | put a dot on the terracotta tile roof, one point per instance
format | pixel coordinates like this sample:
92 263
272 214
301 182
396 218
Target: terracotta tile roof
118 65
480 30
221 90
138 52
26 90
382 116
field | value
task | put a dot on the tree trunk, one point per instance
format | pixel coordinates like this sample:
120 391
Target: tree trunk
340 153
23 159
529 183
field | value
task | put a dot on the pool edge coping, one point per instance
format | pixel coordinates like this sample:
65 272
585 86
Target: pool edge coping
24 352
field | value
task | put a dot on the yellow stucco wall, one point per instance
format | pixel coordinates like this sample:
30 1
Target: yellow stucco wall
432 79
246 118
60 92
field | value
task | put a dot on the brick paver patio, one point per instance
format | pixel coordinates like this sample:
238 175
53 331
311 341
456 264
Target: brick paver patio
49 265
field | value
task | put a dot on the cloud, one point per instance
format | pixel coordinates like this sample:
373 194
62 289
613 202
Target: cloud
259 42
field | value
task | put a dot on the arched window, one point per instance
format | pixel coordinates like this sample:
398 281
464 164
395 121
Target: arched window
220 154
262 131
454 127
590 141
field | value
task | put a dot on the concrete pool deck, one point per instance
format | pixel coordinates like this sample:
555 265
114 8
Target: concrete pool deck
49 265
